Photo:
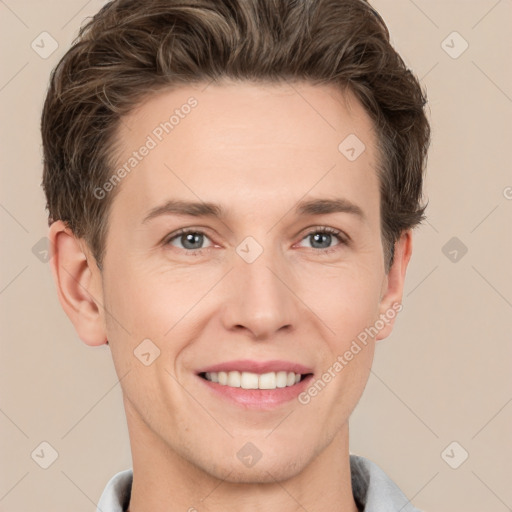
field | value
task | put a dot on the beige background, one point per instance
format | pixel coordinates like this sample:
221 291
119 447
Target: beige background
445 373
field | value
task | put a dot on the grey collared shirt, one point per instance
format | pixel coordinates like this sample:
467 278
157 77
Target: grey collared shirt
373 490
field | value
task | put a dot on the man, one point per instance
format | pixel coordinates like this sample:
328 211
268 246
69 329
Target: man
232 187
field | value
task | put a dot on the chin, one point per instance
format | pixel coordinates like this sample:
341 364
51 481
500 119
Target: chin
241 469
261 473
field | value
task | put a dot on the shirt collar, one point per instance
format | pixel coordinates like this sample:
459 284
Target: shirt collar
373 490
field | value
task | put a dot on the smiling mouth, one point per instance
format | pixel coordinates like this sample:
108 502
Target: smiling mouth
249 380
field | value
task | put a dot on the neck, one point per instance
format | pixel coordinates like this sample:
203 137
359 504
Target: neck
165 481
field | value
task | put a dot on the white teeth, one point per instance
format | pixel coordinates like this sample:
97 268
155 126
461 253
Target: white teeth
249 380
234 379
267 380
281 379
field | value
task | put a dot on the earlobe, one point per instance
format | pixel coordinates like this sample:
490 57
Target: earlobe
393 288
78 284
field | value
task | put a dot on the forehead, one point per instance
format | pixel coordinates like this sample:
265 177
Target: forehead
246 145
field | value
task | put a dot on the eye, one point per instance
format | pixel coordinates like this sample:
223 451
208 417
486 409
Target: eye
322 237
190 240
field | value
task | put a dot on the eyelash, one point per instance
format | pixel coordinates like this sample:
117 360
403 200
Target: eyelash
321 229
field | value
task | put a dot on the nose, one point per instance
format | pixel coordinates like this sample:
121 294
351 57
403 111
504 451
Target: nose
261 300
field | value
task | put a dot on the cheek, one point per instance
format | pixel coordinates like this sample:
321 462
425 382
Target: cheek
150 304
346 300
146 322
349 308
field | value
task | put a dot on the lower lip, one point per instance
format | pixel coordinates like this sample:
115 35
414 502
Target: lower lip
258 398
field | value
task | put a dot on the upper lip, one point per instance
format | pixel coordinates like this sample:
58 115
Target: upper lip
247 365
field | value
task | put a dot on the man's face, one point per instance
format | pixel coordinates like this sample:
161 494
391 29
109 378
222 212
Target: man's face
259 284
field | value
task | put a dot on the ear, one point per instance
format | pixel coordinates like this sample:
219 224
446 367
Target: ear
393 285
78 283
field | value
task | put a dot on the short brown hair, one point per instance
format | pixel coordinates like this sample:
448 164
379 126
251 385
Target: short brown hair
131 49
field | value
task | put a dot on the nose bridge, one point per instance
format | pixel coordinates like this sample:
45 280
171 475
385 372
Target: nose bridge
261 300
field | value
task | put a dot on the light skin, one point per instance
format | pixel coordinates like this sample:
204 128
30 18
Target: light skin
256 151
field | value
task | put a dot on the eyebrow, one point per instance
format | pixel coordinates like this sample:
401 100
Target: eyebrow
205 209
